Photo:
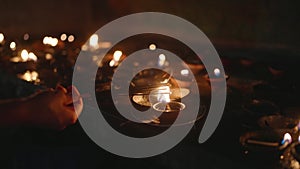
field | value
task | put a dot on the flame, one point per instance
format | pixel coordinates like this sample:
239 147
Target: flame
63 37
117 55
1 37
24 55
13 45
71 38
94 41
161 59
163 94
50 41
287 138
30 76
152 46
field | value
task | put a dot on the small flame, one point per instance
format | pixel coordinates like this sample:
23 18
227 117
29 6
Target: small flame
94 41
1 37
161 59
32 56
163 94
50 41
117 55
24 55
30 76
287 138
63 37
13 45
152 46
71 38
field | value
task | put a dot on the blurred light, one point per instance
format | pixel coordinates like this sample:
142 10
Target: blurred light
217 72
48 56
84 47
117 55
71 38
163 94
161 59
1 37
50 41
63 37
32 56
30 76
16 59
184 72
24 55
287 139
94 41
54 42
26 36
152 46
112 63
13 45
105 45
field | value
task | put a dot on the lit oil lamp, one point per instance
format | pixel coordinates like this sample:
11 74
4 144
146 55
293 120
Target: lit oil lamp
267 140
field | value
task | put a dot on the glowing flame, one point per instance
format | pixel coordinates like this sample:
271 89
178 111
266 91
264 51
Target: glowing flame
24 55
117 55
50 41
152 46
112 63
13 45
217 72
1 37
163 94
94 41
30 76
184 72
71 38
32 56
48 56
161 59
287 139
63 37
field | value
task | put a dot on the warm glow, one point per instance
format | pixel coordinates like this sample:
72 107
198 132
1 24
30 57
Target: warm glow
32 56
117 55
16 59
184 72
30 76
24 55
161 59
112 63
1 37
152 46
63 37
287 138
13 45
163 94
94 41
26 36
48 56
50 41
217 72
105 45
71 38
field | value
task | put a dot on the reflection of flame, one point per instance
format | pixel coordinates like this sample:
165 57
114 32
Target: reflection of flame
163 94
287 138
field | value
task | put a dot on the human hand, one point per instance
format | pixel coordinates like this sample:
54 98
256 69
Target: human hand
54 109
